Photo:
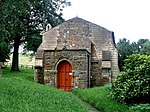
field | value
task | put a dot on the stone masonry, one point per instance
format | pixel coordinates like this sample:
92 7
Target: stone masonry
89 48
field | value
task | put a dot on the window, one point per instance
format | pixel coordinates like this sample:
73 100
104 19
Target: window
106 55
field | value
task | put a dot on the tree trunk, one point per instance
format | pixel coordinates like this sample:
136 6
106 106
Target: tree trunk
15 58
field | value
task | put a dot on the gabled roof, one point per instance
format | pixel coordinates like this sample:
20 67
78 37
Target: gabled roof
77 19
51 44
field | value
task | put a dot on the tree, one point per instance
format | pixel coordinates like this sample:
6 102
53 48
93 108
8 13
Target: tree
125 49
4 48
4 45
145 48
138 45
4 53
141 42
23 19
135 47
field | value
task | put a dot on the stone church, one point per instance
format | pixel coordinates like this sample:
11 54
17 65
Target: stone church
76 54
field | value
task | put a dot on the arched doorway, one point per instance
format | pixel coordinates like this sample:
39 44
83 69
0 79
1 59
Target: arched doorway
64 76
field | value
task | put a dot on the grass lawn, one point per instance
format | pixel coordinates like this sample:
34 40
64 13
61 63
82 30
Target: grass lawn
26 73
99 97
18 93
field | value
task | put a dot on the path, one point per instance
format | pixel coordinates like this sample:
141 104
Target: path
91 108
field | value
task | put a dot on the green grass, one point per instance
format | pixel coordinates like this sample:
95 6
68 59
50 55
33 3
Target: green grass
27 74
141 108
100 98
19 94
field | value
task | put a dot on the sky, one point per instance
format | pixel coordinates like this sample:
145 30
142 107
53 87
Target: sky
128 19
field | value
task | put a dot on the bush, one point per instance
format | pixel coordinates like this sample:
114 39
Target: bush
133 83
141 108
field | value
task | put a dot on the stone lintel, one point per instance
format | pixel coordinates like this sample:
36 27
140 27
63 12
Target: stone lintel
106 64
39 62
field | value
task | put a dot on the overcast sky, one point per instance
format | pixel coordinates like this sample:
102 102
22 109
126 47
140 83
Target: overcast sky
127 18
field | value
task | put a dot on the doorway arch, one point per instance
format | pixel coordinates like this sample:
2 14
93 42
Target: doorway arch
64 76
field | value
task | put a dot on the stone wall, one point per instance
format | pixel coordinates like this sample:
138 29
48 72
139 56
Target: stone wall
38 75
78 60
95 73
114 67
82 44
73 35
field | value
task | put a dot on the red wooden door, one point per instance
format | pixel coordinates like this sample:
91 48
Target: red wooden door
64 78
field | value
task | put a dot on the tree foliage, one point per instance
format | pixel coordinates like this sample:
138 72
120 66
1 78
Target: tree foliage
145 48
126 48
23 19
141 42
4 51
133 83
4 45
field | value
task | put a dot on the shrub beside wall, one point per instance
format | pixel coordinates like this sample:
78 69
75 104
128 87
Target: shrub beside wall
133 83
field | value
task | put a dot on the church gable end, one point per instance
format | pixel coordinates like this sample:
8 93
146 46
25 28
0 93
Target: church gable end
76 54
